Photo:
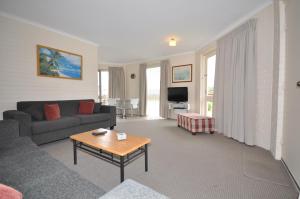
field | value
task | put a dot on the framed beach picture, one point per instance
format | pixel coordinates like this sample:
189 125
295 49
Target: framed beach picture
182 73
56 63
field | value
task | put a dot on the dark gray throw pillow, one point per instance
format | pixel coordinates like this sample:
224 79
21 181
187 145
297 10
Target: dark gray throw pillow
35 113
97 107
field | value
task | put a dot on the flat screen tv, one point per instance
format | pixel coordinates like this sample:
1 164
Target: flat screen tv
178 94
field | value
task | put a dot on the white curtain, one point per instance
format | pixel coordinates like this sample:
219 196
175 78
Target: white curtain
163 104
99 89
143 89
116 82
235 84
278 78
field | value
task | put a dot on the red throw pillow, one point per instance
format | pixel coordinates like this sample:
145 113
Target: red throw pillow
86 107
52 112
7 192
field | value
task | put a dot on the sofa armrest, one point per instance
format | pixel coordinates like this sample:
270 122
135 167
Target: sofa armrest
112 111
9 129
23 118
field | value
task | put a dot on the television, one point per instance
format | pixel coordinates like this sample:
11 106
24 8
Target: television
178 94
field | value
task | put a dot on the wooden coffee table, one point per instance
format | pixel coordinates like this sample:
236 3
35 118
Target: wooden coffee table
108 148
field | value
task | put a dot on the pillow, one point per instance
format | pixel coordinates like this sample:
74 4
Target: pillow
7 192
86 107
52 112
97 107
35 113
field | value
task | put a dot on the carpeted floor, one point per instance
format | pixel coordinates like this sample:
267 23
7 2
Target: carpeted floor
185 166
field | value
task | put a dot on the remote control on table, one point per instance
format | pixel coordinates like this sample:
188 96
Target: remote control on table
99 133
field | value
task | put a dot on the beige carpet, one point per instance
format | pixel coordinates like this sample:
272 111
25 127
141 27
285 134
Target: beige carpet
185 166
259 165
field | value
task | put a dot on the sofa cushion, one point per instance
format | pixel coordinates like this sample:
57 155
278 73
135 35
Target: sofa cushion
52 111
86 107
97 107
69 108
93 118
35 112
7 192
8 147
40 127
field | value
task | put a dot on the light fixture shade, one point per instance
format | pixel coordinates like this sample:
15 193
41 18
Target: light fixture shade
172 42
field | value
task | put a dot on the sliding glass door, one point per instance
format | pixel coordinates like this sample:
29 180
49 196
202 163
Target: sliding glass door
153 91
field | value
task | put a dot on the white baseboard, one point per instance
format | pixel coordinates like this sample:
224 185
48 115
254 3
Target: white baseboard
292 177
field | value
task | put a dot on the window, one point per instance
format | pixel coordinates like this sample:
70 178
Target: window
210 80
103 85
153 92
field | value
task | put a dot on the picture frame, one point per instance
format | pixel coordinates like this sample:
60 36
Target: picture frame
55 63
182 73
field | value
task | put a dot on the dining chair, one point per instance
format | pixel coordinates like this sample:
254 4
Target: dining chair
112 101
119 107
134 105
126 107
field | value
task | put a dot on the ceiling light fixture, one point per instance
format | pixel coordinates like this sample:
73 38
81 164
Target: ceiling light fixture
172 42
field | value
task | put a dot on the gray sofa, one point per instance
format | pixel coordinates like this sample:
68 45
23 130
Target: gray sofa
30 116
35 173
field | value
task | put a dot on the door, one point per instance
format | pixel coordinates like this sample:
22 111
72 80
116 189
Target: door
210 80
153 92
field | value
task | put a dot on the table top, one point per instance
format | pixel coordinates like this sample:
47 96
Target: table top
110 143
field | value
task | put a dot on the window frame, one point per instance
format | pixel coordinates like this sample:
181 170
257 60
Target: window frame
100 89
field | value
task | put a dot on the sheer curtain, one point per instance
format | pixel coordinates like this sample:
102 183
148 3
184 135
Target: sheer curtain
143 89
235 84
116 82
163 106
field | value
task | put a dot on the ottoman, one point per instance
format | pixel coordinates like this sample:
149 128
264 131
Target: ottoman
195 123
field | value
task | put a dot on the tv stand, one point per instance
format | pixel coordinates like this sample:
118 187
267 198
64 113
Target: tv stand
177 107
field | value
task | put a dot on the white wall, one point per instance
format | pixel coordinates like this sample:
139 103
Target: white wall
132 85
18 67
182 60
265 41
291 136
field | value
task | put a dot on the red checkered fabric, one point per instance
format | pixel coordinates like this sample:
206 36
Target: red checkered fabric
195 123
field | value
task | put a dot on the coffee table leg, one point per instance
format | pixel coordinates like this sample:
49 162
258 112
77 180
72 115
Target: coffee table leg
122 167
75 151
146 157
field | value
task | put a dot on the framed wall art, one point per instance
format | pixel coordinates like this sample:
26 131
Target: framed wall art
57 63
182 73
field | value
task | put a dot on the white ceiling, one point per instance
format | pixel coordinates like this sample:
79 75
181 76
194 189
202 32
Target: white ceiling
133 30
